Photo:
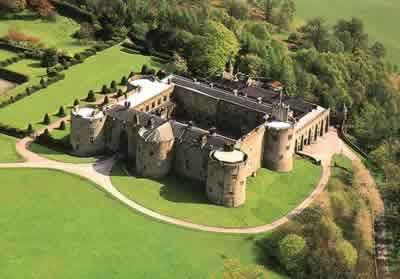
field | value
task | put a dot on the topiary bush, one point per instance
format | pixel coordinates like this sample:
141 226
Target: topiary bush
46 119
91 97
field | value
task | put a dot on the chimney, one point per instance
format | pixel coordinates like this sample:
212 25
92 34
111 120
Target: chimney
211 85
259 100
235 92
213 131
190 124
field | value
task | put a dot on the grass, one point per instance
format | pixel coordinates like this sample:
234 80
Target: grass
60 226
56 33
380 18
8 154
59 156
28 67
97 70
5 54
270 196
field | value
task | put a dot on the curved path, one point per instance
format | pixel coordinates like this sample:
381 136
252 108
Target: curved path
100 171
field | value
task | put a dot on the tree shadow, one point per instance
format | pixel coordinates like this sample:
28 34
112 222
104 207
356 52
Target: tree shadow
35 65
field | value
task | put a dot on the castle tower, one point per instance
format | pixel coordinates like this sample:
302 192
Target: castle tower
279 146
87 131
226 179
154 150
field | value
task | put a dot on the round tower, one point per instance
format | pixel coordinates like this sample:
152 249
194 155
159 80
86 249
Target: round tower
279 146
87 131
154 150
226 179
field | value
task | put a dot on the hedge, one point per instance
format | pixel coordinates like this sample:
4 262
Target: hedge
13 76
73 11
14 132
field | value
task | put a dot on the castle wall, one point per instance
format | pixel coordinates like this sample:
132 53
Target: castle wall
153 159
226 183
202 108
253 145
279 148
191 161
87 135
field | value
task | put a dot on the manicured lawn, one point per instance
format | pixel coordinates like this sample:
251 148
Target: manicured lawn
28 67
97 70
381 18
4 54
270 196
56 155
59 226
8 154
51 34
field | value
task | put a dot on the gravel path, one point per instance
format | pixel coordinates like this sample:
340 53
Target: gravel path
99 173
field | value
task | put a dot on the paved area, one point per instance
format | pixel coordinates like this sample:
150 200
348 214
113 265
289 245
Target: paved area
99 173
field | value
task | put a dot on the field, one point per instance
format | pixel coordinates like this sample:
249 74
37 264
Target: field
51 34
97 70
381 18
8 154
270 196
28 67
60 226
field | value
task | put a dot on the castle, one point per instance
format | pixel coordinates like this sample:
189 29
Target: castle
196 130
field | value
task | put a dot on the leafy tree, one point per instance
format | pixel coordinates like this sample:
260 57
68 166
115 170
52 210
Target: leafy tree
233 269
347 255
178 65
238 9
42 7
50 57
13 5
316 31
353 28
291 252
378 50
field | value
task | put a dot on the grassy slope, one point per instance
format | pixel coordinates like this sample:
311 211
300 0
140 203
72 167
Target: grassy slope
59 226
4 54
28 67
59 156
269 196
51 34
8 154
97 70
381 18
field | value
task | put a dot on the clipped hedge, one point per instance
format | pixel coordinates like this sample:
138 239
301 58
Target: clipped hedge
13 76
73 11
14 132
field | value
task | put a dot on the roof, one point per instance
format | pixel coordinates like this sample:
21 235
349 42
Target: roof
234 156
148 89
161 133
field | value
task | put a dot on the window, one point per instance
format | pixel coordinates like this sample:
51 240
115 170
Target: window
288 147
147 108
91 139
210 190
151 153
290 137
275 137
165 98
187 166
281 157
159 102
153 104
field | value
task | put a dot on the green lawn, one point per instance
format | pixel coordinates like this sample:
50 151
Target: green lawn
28 67
56 155
51 34
59 226
381 18
270 196
5 54
97 70
8 154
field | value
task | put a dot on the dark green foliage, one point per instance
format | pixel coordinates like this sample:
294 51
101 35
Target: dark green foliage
124 81
113 85
43 83
120 93
144 70
91 97
29 130
50 57
106 100
105 90
61 112
76 103
62 126
46 119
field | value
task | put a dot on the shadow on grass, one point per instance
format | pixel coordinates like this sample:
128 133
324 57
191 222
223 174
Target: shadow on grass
35 65
174 188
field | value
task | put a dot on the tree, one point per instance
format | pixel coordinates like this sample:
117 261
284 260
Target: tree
46 119
50 57
76 102
29 130
113 85
106 101
346 254
268 10
13 5
291 252
62 126
238 9
378 50
286 14
178 65
61 112
124 81
145 69
104 89
212 51
316 31
91 97
233 269
42 7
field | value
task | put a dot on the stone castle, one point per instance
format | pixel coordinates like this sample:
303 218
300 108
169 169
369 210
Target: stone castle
200 131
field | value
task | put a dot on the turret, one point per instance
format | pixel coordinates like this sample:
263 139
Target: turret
279 146
87 131
226 179
154 150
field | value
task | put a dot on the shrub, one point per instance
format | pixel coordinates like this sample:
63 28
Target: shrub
50 57
104 89
131 74
291 252
62 125
106 101
144 70
46 119
43 83
113 85
91 97
61 112
76 102
29 130
120 93
124 80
